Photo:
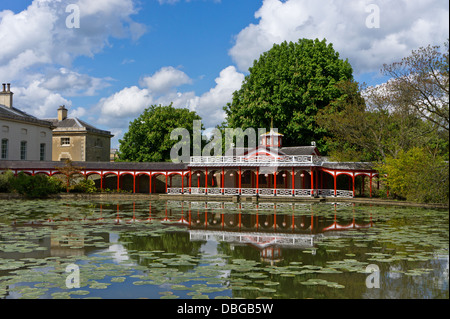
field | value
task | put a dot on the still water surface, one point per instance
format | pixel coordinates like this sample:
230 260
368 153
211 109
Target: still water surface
173 249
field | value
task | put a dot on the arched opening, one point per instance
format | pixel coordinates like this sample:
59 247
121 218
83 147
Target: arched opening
159 183
344 182
231 178
198 179
110 181
362 187
96 178
142 183
126 182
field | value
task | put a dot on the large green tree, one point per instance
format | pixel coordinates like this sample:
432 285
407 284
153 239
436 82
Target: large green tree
289 84
148 137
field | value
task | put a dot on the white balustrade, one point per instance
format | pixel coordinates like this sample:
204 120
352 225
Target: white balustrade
284 192
325 192
261 192
214 191
174 191
283 159
248 191
231 191
342 193
302 192
198 191
266 192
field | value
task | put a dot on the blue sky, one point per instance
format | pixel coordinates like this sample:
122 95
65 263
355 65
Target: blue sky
129 54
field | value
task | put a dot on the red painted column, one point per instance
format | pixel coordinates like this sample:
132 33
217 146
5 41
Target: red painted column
275 183
166 182
257 180
134 184
118 181
190 180
206 180
150 184
370 186
312 182
240 180
101 180
293 182
223 180
182 182
353 182
335 182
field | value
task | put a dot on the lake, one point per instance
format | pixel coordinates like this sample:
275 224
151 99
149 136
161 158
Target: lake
61 249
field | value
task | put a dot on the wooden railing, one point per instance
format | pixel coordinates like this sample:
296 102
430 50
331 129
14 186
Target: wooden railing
252 160
261 192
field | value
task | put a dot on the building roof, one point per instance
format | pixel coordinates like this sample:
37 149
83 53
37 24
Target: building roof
300 150
14 114
70 124
290 151
104 166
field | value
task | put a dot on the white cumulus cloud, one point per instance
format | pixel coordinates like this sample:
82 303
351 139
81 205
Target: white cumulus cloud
404 26
165 79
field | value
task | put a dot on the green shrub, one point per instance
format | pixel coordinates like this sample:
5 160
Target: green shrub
38 186
85 186
5 181
417 176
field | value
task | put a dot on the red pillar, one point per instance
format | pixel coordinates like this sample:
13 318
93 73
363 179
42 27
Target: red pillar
257 180
275 183
223 180
312 182
182 182
166 182
150 183
134 184
293 181
240 181
335 179
353 182
190 180
101 180
370 186
206 180
118 181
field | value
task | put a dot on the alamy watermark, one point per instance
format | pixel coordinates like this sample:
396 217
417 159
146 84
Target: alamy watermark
235 139
73 19
73 279
373 19
373 279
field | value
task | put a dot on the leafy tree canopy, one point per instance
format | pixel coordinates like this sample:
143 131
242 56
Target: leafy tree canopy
289 84
148 136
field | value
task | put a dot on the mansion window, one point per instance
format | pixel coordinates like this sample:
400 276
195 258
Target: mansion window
65 141
42 152
23 150
5 148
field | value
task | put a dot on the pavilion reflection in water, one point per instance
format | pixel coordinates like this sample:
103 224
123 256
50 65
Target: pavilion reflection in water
268 227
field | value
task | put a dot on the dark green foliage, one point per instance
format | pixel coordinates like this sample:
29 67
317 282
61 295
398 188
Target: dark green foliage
417 176
289 84
148 136
5 181
84 186
37 186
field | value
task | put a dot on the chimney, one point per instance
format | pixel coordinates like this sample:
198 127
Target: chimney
62 113
6 96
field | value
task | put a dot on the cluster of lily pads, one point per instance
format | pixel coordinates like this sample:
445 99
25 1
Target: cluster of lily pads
402 241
